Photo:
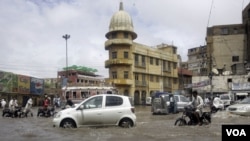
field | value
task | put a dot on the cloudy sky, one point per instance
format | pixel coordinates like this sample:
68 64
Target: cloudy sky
31 31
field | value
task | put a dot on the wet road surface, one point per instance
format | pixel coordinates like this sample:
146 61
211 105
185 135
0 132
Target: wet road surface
149 128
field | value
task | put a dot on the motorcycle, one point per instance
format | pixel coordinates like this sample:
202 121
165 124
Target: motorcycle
16 113
46 113
188 117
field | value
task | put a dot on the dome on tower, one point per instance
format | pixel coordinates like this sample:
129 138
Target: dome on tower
121 21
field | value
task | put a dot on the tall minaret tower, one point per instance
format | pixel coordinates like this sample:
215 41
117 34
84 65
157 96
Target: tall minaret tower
120 47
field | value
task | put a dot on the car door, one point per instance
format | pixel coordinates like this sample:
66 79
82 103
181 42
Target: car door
113 109
91 111
183 101
177 100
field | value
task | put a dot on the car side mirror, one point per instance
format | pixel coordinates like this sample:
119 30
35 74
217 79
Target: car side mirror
81 107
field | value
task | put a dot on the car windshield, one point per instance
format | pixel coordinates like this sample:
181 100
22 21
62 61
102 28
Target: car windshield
184 99
245 101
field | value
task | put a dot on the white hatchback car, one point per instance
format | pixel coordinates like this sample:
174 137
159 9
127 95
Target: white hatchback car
98 110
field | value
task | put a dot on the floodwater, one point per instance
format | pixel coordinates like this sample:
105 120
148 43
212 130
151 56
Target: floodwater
149 128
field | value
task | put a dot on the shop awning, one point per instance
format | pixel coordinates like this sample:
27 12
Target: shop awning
242 94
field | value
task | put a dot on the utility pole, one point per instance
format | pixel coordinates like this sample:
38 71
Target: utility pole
210 75
66 37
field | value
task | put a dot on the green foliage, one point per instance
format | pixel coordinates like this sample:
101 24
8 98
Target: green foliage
81 68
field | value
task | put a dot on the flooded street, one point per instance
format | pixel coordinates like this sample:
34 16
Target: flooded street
149 127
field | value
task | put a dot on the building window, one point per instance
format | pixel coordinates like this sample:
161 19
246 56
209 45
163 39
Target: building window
114 55
74 95
174 65
143 63
136 77
143 77
126 35
136 60
126 74
174 50
113 35
224 31
151 78
175 81
157 79
151 60
136 57
229 80
125 54
114 74
235 58
164 64
235 30
157 62
169 66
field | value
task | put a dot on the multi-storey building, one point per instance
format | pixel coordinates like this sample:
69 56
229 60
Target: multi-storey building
225 47
78 83
197 60
135 69
228 58
246 25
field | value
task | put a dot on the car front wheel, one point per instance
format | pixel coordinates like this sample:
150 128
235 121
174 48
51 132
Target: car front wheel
68 123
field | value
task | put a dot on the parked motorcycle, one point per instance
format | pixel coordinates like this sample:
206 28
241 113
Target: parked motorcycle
16 113
46 113
188 117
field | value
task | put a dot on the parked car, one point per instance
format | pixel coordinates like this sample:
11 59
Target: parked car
161 102
182 101
98 110
148 100
227 99
241 108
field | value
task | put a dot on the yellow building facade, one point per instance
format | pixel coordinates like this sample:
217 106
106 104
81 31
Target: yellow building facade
138 70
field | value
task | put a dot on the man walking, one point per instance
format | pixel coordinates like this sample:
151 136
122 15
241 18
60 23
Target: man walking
28 107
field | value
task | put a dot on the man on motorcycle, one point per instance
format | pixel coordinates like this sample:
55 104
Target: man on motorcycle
197 103
46 105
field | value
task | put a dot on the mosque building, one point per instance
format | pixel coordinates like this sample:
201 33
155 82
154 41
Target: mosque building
135 69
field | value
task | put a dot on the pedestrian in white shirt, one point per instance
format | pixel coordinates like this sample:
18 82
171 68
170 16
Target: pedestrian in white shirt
11 105
3 103
28 107
218 103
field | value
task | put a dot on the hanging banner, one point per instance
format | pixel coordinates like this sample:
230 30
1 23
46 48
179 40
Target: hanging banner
240 86
199 84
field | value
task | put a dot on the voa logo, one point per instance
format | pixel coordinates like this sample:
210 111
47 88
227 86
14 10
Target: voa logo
236 132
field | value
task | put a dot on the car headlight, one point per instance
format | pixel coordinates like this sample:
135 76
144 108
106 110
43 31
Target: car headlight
244 109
